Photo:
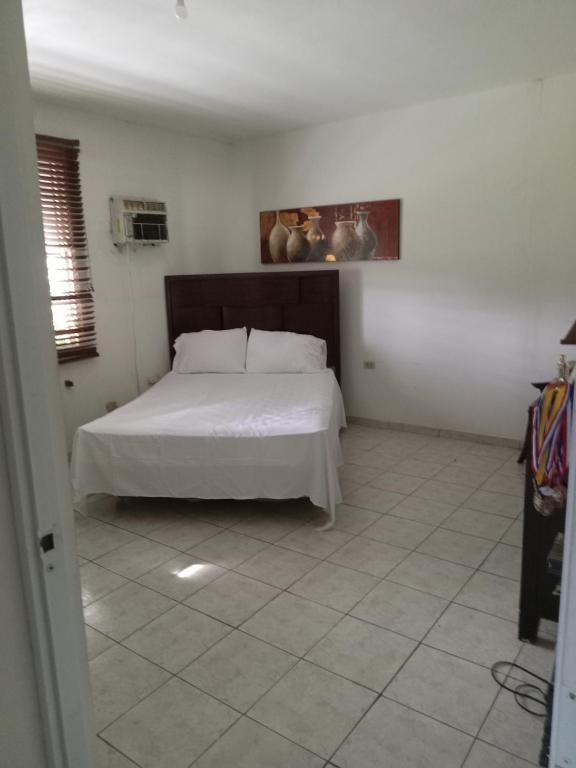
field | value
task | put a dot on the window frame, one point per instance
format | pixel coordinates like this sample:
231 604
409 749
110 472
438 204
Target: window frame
66 248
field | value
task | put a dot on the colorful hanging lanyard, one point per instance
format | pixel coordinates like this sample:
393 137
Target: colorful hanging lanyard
550 430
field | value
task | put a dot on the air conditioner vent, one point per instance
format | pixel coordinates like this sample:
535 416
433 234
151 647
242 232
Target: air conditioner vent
137 221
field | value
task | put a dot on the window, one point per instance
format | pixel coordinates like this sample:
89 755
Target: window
66 248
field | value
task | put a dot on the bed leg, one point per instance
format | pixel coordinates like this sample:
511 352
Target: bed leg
329 524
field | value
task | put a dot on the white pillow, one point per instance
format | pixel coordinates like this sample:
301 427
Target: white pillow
211 352
284 352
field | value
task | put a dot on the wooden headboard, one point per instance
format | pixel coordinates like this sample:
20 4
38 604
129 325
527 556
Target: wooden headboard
303 302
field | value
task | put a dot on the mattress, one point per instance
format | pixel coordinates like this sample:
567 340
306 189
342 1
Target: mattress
218 436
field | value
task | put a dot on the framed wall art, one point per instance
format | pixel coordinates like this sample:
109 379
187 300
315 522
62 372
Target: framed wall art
368 231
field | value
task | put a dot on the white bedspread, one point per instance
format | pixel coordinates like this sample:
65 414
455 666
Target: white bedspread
218 436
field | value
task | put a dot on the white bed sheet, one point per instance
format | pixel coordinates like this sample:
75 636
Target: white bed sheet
218 436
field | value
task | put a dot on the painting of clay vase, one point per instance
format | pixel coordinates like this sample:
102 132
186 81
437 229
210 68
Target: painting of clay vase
368 242
317 240
345 243
297 247
277 241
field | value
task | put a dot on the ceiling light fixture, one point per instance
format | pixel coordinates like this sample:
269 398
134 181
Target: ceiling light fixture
180 10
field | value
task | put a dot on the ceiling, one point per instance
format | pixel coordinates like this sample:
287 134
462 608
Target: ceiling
241 68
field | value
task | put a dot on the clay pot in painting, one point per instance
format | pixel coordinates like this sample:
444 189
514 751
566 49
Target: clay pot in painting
317 239
345 241
368 241
297 247
277 241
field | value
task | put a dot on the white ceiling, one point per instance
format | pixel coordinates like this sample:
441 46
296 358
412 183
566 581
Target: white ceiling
251 67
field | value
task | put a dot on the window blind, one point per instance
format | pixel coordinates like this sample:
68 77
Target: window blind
66 248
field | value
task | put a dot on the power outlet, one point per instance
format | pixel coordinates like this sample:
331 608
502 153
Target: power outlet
369 365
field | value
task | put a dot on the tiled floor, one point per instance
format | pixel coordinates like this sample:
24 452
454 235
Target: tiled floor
235 635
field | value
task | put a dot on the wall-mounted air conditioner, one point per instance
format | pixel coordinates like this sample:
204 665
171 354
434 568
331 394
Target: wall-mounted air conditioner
138 222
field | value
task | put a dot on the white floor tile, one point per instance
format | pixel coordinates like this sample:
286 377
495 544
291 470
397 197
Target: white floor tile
120 679
309 541
444 493
502 482
361 652
277 566
250 745
513 535
463 475
98 582
474 635
170 728
495 503
456 547
512 729
473 461
239 670
143 520
292 623
308 708
269 527
228 549
476 523
398 532
184 533
370 556
124 611
357 473
233 598
177 637
182 576
313 707
375 499
430 574
486 756
445 455
445 687
419 468
538 658
354 519
98 540
96 642
371 459
500 452
504 561
423 510
135 558
400 609
396 481
334 586
82 521
397 737
224 514
108 757
492 594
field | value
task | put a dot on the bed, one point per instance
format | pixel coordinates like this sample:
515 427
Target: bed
231 435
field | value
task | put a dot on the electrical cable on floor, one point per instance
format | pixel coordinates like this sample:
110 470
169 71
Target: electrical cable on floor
523 692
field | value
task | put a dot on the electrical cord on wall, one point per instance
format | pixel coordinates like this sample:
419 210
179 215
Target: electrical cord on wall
133 318
523 692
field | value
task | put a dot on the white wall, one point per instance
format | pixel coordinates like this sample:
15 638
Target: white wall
191 175
486 283
458 327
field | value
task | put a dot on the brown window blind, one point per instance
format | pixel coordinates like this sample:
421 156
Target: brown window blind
66 248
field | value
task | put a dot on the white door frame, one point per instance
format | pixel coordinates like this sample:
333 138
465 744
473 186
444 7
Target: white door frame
563 737
31 422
